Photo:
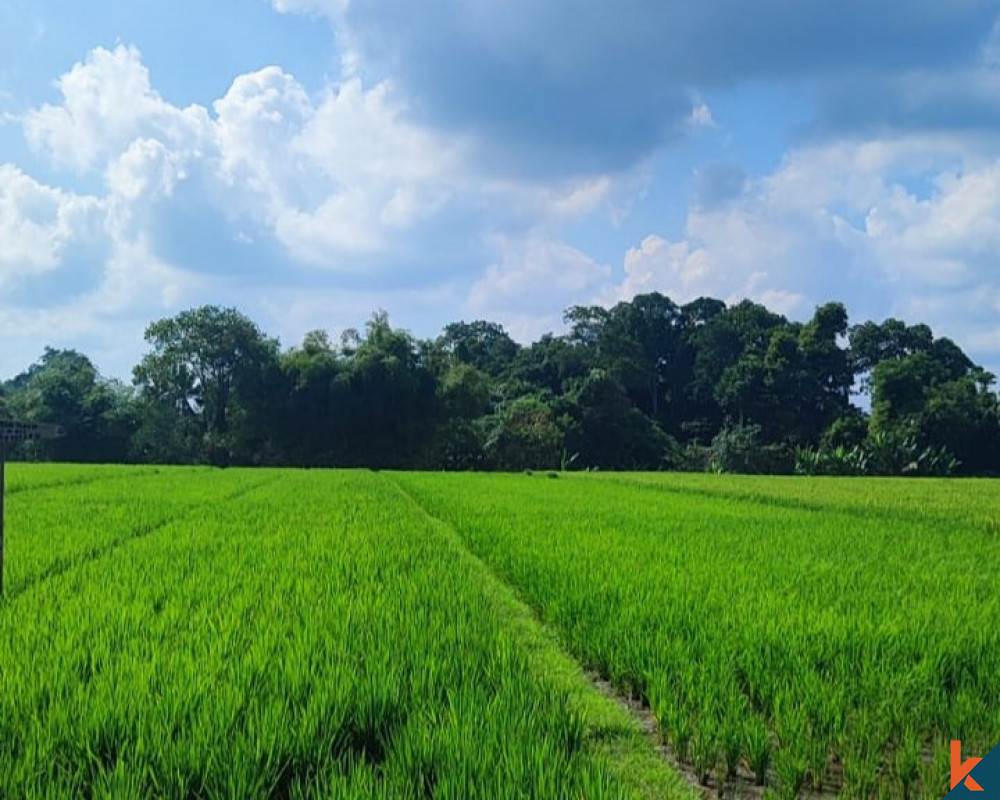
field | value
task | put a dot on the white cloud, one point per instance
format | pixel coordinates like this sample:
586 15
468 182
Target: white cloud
330 179
147 168
701 116
907 226
960 221
107 102
327 179
274 180
685 272
39 223
328 7
256 119
673 268
379 175
534 279
580 199
107 320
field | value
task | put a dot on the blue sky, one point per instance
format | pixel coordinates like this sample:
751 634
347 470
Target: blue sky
311 161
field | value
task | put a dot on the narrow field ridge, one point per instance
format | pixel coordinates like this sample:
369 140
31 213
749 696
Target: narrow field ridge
743 787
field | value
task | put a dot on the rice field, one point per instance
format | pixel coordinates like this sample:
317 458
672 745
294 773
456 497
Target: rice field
190 633
823 635
194 633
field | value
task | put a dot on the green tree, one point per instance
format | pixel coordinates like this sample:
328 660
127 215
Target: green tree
830 369
525 436
311 423
464 398
481 344
392 399
550 365
899 387
963 417
610 432
205 371
871 343
639 347
929 394
65 388
728 375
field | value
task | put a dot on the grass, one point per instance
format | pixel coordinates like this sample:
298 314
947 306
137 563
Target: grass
193 633
275 634
809 631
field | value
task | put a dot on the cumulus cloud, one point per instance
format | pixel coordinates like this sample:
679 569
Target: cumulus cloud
39 224
580 86
107 101
271 187
906 226
531 283
324 178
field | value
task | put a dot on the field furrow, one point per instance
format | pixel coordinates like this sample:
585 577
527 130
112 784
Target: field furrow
106 543
971 503
611 727
30 477
50 530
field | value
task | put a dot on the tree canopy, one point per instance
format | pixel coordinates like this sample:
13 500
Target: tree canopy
645 384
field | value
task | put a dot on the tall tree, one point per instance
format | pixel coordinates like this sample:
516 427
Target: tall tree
311 425
871 343
199 375
548 366
609 432
641 341
524 435
393 398
481 344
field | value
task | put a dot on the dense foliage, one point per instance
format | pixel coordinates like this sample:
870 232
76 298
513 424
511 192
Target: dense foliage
647 384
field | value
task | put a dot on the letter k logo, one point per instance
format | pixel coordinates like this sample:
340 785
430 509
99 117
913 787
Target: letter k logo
960 770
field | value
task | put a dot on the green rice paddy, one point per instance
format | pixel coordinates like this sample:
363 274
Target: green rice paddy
194 633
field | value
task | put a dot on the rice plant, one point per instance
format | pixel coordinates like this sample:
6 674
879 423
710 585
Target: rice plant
818 632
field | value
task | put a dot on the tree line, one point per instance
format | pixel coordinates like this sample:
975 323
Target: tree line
647 384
